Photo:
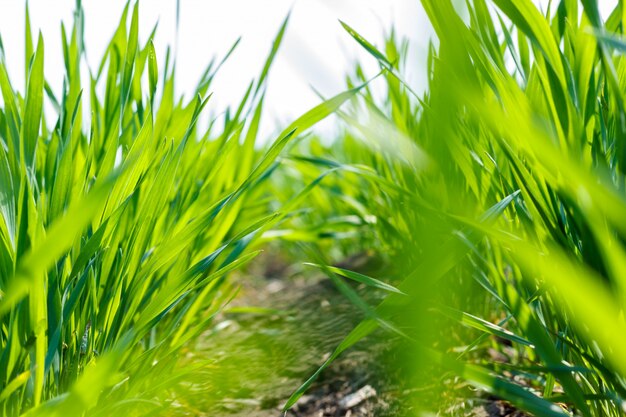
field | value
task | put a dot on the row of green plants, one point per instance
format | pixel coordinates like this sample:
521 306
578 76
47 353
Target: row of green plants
116 239
498 197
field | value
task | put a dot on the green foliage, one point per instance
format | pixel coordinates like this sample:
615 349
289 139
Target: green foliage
498 196
115 242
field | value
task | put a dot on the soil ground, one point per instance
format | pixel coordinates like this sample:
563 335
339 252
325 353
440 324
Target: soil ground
279 330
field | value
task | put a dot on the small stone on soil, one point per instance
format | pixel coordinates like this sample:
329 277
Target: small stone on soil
357 397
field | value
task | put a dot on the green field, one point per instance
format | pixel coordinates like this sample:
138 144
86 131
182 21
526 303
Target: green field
459 251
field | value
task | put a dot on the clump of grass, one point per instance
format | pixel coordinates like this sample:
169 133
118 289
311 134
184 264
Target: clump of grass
504 179
115 241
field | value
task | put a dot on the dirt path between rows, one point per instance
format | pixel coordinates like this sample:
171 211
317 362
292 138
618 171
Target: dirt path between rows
282 326
262 354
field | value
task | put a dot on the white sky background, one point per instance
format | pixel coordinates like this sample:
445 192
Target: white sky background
316 51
